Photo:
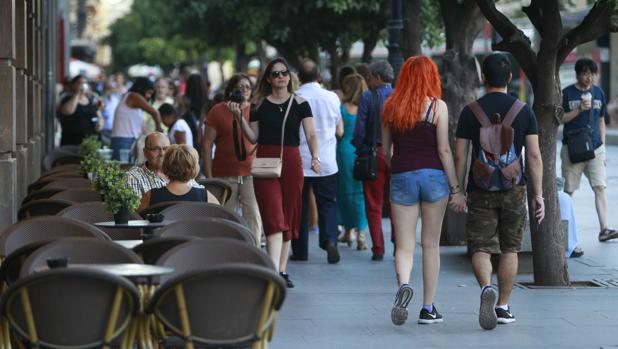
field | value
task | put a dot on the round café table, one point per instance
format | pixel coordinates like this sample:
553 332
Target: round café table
146 225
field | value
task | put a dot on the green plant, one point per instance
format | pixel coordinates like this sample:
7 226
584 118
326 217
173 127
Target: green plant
109 176
90 146
92 163
121 197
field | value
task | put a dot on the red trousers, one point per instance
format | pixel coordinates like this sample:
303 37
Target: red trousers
374 192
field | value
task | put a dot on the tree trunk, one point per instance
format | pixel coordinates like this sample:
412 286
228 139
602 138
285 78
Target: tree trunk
369 43
261 53
460 81
411 33
548 240
242 59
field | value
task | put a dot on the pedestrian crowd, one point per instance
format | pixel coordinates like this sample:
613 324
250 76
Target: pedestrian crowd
290 149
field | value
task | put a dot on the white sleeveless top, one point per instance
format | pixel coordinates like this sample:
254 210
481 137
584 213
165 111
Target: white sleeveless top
127 121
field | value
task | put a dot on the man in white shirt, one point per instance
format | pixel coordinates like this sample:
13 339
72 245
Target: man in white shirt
328 126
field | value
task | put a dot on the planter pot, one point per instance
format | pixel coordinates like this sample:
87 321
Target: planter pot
122 217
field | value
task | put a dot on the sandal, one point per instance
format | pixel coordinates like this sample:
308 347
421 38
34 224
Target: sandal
361 244
607 234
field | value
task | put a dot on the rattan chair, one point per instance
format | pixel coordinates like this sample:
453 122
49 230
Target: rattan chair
49 158
69 183
151 250
228 305
44 229
199 209
72 159
41 194
42 207
158 207
11 266
79 250
217 187
78 195
198 253
57 178
94 212
70 168
208 227
71 308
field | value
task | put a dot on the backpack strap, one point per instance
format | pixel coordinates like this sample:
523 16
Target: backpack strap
479 113
512 113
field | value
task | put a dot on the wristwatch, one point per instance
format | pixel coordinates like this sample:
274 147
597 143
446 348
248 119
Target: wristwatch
315 158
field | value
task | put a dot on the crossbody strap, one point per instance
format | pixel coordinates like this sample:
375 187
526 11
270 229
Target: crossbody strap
287 112
376 116
239 145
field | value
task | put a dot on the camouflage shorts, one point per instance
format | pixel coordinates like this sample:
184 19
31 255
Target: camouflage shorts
496 220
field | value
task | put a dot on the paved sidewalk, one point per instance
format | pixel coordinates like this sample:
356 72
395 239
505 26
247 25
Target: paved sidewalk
348 305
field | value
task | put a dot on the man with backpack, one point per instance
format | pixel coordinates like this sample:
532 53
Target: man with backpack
498 126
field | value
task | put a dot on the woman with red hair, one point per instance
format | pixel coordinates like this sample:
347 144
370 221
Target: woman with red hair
416 148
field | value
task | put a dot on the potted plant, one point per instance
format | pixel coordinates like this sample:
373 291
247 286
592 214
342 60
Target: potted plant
90 166
121 201
90 145
109 176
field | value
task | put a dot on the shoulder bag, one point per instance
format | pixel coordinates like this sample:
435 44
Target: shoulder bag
271 167
579 142
366 163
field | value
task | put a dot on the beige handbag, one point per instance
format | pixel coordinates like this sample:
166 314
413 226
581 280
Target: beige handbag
271 167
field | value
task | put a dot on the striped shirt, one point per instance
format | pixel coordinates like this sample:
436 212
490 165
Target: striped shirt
141 180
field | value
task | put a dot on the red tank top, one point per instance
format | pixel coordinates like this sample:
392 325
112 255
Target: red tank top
416 148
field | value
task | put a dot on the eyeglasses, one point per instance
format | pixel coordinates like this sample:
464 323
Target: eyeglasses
243 87
276 74
157 149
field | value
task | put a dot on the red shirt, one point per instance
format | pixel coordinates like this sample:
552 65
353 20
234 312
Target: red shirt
225 163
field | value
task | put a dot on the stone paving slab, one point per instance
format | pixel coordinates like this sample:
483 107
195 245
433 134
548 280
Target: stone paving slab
348 305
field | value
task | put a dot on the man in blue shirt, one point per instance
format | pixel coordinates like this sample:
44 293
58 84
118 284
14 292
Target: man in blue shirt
584 104
373 190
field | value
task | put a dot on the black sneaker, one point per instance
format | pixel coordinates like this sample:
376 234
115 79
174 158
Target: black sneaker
504 316
426 317
377 257
287 280
399 313
487 313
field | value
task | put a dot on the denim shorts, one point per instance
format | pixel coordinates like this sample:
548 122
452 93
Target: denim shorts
410 188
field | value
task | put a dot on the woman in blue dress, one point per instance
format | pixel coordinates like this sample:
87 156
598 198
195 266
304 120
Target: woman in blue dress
350 191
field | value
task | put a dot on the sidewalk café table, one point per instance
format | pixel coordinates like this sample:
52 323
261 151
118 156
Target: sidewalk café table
128 244
146 290
144 224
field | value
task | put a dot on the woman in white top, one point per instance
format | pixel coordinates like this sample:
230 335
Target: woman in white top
128 117
179 131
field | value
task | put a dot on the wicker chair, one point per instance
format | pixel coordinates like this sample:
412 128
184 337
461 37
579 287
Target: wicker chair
200 209
49 158
151 250
208 227
228 305
42 207
69 183
72 159
44 229
158 207
217 187
71 168
198 253
78 195
94 212
58 179
71 308
41 194
79 250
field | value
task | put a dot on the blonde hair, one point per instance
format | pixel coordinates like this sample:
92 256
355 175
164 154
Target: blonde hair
181 163
352 87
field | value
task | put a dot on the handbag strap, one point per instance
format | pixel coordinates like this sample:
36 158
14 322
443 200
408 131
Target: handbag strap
239 145
376 116
287 112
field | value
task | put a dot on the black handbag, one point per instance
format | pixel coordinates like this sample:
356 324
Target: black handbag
366 163
579 143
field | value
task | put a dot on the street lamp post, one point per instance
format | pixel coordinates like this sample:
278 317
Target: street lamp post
395 25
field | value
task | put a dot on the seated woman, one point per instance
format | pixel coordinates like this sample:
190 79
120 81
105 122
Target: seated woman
180 165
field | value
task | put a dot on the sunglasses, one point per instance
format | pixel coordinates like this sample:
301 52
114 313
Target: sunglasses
276 74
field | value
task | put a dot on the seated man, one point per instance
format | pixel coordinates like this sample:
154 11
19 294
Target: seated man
142 179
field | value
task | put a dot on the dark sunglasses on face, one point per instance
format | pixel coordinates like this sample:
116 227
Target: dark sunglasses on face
276 74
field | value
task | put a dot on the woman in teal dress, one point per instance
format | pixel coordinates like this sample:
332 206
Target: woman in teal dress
350 191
